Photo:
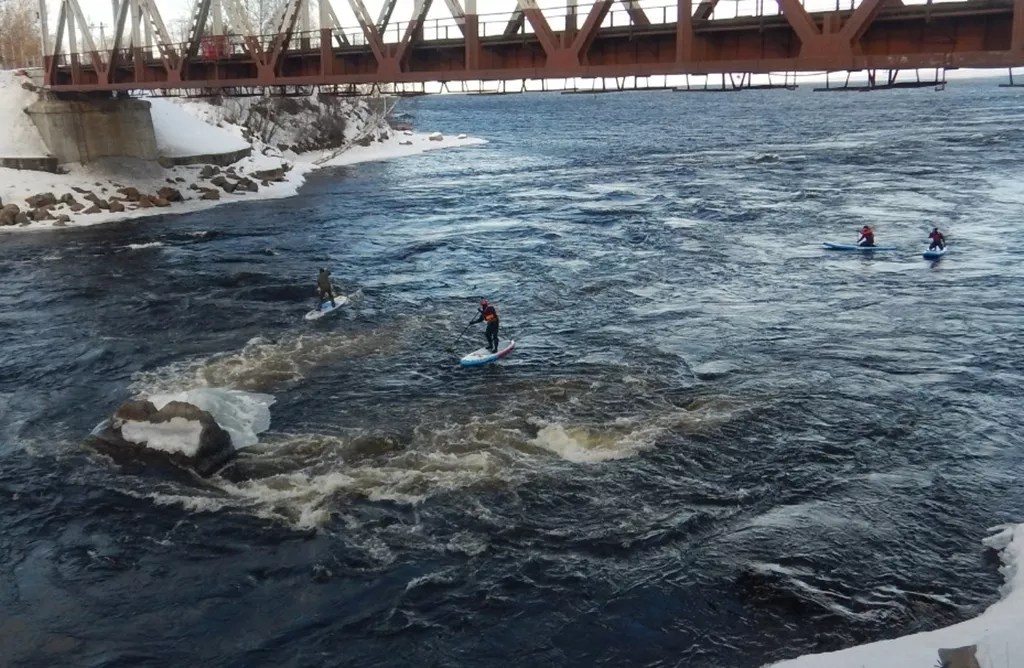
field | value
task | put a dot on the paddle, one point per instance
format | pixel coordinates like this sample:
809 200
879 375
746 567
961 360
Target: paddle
452 347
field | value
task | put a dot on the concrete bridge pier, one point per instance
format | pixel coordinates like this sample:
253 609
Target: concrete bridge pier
88 129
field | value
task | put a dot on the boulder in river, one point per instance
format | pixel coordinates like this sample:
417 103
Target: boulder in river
199 429
179 433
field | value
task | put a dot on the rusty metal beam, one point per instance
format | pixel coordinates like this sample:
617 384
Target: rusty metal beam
384 18
684 31
802 23
195 34
586 35
979 35
472 32
515 23
370 31
457 13
1017 32
705 9
115 52
168 55
293 11
76 70
58 39
89 45
862 17
414 30
329 20
540 26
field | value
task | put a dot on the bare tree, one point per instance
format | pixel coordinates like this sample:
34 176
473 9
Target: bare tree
19 34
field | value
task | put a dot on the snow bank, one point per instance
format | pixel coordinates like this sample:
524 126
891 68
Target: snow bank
179 133
19 138
394 148
243 415
998 633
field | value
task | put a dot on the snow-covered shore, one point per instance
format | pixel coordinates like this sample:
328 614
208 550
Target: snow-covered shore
113 190
105 179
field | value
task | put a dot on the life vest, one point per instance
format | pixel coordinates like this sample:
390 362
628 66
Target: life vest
935 236
490 315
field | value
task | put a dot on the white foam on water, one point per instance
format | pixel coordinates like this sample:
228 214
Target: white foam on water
998 633
242 414
582 445
151 244
263 364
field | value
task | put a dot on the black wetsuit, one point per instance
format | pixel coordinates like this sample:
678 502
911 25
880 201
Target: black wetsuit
489 314
323 284
867 239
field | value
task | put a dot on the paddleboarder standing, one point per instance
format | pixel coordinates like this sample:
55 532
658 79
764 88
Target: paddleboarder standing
489 315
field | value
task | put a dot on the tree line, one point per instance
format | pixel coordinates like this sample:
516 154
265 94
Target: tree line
19 35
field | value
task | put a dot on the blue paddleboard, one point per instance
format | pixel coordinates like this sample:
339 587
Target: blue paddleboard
485 356
855 247
935 254
327 309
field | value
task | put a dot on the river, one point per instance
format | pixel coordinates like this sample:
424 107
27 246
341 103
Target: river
715 445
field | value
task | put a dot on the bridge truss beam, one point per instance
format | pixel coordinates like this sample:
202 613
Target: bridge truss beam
617 38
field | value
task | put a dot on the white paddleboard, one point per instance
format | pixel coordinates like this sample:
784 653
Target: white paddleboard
485 356
327 309
935 254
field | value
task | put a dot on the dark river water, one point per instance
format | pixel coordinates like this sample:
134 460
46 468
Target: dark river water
715 445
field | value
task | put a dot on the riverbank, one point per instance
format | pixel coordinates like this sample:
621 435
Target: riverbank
106 179
211 153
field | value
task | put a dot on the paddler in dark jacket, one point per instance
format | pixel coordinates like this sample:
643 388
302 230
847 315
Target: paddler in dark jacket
867 236
489 315
938 241
325 289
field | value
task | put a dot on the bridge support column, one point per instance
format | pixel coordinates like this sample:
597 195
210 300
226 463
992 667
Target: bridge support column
472 36
84 131
684 31
1017 40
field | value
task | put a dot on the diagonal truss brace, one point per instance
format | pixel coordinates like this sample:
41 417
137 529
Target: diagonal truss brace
330 20
384 18
412 30
58 38
637 15
370 31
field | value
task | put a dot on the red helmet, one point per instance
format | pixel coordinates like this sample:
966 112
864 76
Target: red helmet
483 302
